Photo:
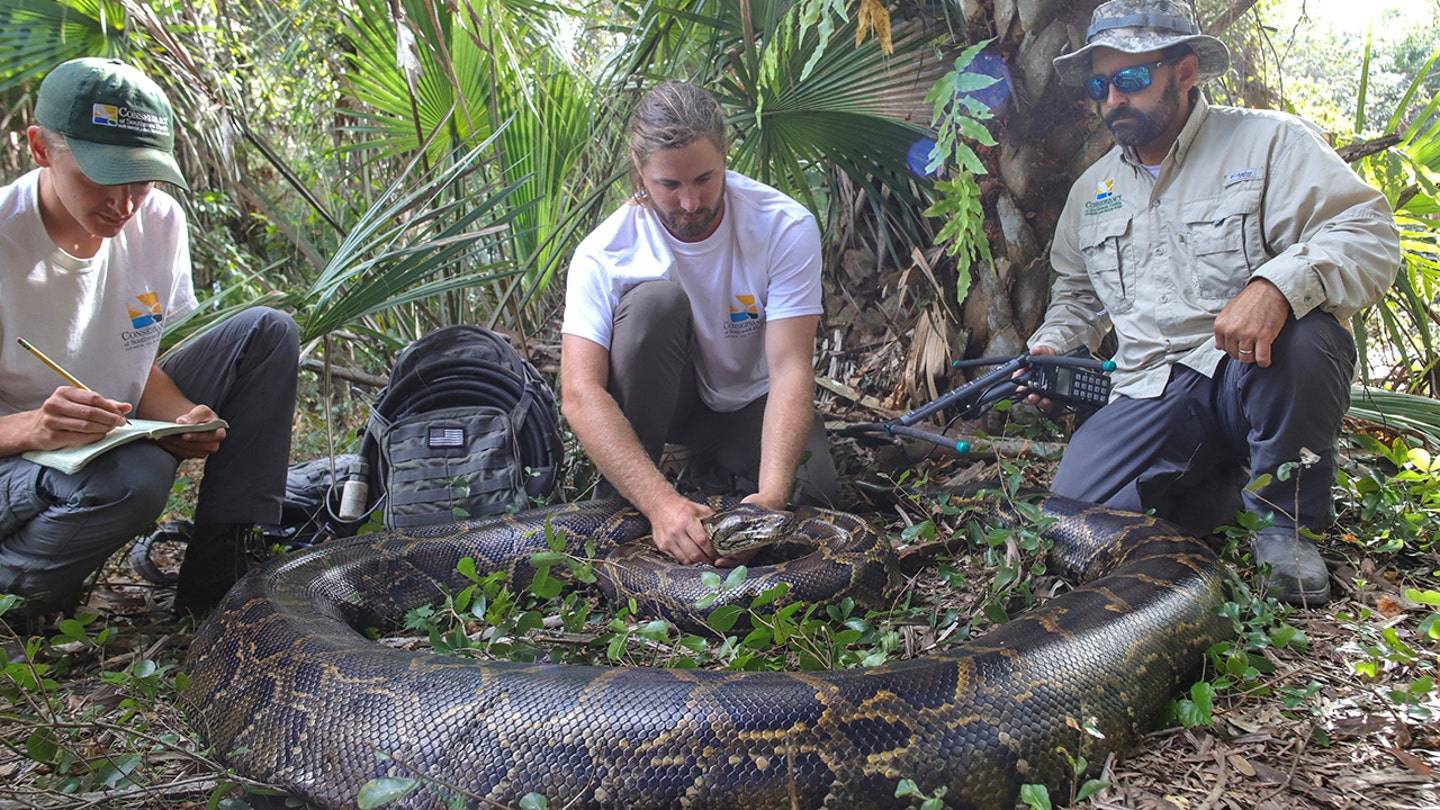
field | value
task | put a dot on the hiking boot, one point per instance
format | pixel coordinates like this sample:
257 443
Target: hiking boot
217 555
1297 572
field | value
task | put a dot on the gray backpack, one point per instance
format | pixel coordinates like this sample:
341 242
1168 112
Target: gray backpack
465 428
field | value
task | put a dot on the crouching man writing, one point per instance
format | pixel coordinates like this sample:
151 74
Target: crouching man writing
93 261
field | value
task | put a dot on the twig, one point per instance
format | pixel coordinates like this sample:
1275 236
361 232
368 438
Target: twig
195 784
102 798
1227 18
106 663
200 758
854 395
1220 780
1290 776
347 374
41 707
1364 149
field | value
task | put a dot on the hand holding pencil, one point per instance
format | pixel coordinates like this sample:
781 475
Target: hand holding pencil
73 414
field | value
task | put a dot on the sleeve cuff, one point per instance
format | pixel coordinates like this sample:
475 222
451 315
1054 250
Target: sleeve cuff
1296 280
1047 339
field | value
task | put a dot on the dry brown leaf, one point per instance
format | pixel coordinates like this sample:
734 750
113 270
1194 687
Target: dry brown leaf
1241 764
1412 762
1387 606
873 16
1268 774
929 356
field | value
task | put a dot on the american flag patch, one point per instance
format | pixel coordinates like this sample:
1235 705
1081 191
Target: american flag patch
445 437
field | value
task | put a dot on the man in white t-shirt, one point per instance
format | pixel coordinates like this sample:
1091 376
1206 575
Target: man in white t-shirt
690 316
93 262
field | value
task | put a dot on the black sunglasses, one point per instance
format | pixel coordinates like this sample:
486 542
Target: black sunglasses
1127 80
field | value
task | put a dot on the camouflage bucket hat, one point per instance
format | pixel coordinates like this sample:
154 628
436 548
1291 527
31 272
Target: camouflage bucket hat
1139 26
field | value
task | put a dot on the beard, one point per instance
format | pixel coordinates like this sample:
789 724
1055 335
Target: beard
692 225
1135 128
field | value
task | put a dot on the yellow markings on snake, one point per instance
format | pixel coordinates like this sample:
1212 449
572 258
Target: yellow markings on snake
288 691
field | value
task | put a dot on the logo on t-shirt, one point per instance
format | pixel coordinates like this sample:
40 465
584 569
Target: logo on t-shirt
1106 199
146 322
744 317
149 313
746 311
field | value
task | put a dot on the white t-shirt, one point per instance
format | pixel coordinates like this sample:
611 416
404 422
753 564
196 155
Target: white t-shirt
761 264
100 318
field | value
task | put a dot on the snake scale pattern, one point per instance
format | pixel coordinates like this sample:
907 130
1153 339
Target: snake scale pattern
288 690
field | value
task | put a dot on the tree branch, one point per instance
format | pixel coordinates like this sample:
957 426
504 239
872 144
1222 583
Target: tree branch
1364 149
348 374
1227 18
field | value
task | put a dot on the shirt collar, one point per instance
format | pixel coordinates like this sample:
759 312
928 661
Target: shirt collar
1199 109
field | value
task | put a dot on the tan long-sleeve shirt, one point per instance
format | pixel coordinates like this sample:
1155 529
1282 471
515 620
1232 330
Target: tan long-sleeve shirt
1242 194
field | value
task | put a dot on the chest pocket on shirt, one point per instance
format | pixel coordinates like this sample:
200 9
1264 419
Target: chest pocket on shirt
1223 233
1105 262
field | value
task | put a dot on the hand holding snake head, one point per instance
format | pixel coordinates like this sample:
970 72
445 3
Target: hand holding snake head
747 527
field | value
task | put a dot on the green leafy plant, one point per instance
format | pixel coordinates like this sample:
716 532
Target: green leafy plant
1383 650
928 801
1406 173
1396 510
1239 666
959 116
101 747
39 34
1037 797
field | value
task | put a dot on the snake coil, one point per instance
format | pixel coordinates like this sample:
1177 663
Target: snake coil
288 690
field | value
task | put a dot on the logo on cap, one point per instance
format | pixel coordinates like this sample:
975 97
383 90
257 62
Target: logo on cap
105 114
111 115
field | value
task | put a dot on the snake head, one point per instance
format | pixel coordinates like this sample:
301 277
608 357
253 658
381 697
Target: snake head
747 526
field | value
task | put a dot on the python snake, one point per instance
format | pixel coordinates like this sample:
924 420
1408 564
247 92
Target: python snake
288 690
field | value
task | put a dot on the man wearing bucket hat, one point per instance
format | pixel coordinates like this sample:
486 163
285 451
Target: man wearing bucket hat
1229 249
94 261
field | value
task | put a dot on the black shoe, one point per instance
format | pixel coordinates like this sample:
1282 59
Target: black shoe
1297 572
217 555
22 628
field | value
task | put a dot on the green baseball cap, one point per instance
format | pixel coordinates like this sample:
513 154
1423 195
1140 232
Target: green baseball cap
116 121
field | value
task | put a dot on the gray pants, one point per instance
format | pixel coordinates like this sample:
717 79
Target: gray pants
1188 453
55 529
652 378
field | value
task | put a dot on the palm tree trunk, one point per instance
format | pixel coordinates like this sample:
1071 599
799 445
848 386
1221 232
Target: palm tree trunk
1048 136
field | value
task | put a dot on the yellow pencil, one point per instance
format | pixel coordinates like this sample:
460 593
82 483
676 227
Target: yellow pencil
54 366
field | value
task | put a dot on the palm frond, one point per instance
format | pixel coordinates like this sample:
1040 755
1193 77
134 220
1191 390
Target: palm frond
407 236
851 108
1406 173
1398 411
37 35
